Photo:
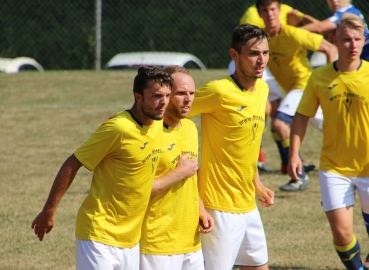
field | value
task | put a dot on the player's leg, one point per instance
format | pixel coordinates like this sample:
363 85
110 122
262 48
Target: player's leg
281 134
262 165
220 247
161 262
253 253
98 256
338 196
362 186
273 102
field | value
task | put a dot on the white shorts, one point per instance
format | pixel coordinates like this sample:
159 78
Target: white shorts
338 191
290 103
274 93
237 239
98 256
188 261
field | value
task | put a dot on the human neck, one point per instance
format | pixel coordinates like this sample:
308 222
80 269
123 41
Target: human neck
247 83
171 120
140 116
272 31
347 66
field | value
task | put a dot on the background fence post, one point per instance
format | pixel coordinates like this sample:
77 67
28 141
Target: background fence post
98 35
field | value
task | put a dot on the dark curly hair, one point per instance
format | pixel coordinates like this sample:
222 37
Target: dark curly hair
146 74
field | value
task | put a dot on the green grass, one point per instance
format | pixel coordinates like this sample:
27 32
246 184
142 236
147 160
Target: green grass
46 116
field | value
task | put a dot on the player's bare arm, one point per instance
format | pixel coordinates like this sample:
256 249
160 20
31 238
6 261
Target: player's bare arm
298 130
44 221
320 27
205 219
329 50
307 19
186 167
294 19
266 195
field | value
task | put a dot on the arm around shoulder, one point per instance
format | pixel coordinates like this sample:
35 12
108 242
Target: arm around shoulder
186 167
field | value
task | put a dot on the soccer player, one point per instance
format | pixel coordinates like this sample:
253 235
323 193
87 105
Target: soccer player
327 26
123 154
232 122
290 66
170 231
341 89
287 15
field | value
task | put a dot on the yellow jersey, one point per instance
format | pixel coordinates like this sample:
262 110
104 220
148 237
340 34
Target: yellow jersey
171 223
123 155
288 60
251 16
344 98
232 124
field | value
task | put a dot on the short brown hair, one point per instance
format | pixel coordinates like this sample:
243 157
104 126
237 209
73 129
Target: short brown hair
244 32
260 3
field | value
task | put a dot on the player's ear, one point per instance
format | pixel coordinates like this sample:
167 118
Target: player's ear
234 54
138 96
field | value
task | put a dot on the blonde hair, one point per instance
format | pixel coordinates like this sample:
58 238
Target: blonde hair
351 21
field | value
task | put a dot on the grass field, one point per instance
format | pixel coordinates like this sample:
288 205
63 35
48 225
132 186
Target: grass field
46 116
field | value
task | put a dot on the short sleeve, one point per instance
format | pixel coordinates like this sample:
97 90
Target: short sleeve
309 102
207 99
103 141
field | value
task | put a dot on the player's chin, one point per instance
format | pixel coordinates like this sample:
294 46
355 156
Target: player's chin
157 116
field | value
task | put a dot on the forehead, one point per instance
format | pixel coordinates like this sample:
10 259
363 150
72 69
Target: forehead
182 80
256 45
153 87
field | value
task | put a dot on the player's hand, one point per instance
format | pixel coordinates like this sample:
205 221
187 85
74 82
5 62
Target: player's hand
293 18
266 195
187 165
206 222
43 224
294 167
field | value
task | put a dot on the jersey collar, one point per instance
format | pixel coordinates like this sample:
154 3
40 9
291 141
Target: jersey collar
134 118
336 68
236 82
